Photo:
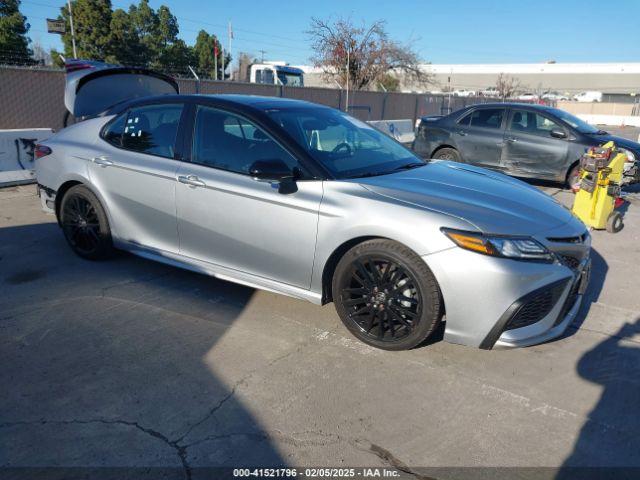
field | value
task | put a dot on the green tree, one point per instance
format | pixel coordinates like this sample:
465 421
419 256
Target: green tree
124 46
92 24
177 57
204 50
167 27
146 24
14 43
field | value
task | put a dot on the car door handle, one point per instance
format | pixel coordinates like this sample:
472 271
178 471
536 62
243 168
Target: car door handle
510 140
462 133
191 180
102 161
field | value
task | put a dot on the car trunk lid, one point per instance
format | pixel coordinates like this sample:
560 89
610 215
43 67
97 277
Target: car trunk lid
92 87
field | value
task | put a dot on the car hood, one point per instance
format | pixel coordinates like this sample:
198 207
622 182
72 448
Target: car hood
492 202
619 141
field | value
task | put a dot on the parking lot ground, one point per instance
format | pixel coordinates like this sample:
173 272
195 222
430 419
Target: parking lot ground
132 364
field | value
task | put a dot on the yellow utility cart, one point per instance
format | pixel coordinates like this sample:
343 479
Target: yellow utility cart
599 194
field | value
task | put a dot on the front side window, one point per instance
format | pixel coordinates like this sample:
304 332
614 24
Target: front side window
532 123
229 142
152 129
347 147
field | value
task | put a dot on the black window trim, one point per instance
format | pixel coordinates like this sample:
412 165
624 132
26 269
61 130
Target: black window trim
188 140
177 143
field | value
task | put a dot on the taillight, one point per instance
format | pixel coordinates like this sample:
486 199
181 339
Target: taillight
41 151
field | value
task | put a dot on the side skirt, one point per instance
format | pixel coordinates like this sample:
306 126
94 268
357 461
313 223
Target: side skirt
218 271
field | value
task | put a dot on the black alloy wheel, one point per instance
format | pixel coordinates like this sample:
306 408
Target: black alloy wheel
84 224
386 295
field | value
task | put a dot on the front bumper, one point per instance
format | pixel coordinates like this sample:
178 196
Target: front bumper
483 294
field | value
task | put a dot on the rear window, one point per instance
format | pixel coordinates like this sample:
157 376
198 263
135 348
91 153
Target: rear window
484 118
152 129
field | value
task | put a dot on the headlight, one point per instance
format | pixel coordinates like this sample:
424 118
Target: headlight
518 248
631 157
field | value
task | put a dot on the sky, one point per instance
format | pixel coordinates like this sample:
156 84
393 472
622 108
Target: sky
452 31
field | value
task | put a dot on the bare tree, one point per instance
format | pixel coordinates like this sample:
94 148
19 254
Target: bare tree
372 55
507 86
244 62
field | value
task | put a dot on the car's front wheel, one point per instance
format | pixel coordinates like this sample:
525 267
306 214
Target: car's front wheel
448 154
85 225
574 178
386 295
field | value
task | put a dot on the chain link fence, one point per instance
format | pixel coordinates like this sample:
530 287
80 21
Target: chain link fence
34 98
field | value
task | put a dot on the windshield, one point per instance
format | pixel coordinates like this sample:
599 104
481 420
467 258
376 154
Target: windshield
575 122
347 147
290 79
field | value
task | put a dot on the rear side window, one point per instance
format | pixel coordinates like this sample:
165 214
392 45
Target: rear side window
484 118
152 129
113 132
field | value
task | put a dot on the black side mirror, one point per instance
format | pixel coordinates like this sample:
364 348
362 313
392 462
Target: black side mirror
270 170
557 133
275 171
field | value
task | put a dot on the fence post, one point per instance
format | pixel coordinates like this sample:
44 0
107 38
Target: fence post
384 105
415 111
340 99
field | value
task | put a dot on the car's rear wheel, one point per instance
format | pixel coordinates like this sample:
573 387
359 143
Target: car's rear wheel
448 154
85 225
386 295
573 178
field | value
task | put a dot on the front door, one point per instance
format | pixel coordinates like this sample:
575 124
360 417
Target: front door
134 170
227 218
530 147
479 135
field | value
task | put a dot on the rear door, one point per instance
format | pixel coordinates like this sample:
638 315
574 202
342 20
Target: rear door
479 135
530 149
134 169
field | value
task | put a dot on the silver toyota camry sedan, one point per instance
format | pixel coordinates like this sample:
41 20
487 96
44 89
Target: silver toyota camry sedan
304 200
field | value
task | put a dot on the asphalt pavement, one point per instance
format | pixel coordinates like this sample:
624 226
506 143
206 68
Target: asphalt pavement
141 370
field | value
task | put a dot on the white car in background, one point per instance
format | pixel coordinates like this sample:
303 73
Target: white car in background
490 92
464 93
555 97
590 96
528 97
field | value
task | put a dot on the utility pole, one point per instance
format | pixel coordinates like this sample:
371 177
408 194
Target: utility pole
230 37
73 34
262 52
222 48
348 75
215 58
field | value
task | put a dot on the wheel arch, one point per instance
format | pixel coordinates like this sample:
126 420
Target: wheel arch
62 190
445 145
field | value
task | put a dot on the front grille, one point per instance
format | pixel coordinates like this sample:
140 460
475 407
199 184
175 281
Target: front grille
537 307
570 261
577 239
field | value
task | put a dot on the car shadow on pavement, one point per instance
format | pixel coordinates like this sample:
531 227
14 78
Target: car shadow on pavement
599 269
115 369
609 445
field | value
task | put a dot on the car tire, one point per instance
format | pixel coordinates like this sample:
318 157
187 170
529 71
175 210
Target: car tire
450 154
386 295
615 222
85 224
573 178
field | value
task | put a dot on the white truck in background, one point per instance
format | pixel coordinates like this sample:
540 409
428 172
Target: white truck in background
591 96
276 73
